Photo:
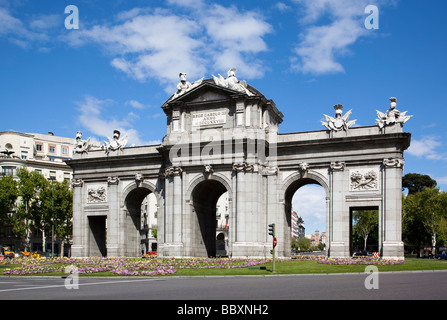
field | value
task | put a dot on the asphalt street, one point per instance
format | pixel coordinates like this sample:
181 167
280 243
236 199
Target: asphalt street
387 286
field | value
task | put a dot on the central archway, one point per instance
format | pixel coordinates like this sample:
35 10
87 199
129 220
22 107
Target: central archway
291 186
204 200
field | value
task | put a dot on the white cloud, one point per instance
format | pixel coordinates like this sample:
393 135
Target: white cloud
427 147
25 34
156 45
159 44
320 44
135 104
281 6
236 38
309 202
93 117
441 180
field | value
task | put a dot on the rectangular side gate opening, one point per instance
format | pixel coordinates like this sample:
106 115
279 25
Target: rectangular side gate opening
364 230
97 235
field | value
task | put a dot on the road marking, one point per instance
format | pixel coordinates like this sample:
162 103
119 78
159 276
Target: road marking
80 284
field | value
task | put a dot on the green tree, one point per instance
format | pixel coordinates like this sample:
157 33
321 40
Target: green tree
301 243
30 184
57 210
427 209
8 197
414 234
365 222
416 182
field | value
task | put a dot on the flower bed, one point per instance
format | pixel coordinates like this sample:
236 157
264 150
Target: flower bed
350 261
122 266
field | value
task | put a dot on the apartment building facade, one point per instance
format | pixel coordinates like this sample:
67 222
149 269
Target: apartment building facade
43 153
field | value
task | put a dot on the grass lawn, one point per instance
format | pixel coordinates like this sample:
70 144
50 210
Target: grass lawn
281 267
309 267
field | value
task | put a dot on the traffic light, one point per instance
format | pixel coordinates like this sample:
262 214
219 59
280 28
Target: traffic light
272 229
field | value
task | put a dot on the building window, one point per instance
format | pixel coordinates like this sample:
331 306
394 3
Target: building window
53 175
52 149
39 147
24 155
8 171
65 150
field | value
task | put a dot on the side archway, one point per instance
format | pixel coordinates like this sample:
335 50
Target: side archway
136 227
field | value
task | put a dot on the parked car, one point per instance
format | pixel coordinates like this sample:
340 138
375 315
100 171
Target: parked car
362 253
441 256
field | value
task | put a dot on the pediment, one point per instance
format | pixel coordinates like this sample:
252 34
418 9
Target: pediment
207 91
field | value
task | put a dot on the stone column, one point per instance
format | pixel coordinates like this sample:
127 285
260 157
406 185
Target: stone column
275 213
338 227
239 220
114 247
391 227
80 223
177 205
173 218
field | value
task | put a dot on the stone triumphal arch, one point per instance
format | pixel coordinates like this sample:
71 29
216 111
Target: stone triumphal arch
222 137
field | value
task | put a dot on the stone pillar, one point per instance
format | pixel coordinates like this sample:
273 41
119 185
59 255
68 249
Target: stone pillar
338 226
177 206
173 218
391 227
114 247
239 218
80 222
274 213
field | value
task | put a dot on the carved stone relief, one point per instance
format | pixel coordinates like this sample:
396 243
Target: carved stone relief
364 179
97 194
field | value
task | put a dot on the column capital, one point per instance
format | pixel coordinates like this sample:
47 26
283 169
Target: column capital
77 183
393 163
113 180
173 171
337 166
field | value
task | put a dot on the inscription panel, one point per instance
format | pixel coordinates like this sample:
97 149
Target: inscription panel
209 118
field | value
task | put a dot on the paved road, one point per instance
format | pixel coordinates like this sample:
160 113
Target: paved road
405 285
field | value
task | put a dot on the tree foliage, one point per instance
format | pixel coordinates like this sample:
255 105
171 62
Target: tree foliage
416 182
41 204
8 198
424 217
365 222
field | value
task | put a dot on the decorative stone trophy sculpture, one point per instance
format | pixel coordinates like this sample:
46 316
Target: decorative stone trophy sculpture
392 116
338 123
116 143
81 146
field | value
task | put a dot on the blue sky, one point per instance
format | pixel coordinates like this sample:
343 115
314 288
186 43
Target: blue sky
118 68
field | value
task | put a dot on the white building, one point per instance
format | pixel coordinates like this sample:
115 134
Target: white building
297 226
44 153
